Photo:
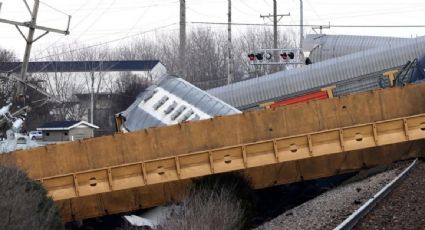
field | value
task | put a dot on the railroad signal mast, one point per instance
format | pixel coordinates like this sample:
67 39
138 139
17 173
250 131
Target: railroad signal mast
276 57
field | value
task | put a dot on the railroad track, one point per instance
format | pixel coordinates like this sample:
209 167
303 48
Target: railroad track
353 220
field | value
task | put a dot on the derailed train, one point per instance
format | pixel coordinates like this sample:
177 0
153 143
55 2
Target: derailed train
358 71
141 169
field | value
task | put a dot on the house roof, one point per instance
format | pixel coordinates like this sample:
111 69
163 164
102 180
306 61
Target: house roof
65 125
82 96
80 66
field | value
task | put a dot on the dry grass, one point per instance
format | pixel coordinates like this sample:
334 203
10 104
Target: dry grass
221 202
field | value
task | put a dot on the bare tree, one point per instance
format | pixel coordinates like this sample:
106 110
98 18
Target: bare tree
128 87
64 85
206 64
206 58
7 55
7 85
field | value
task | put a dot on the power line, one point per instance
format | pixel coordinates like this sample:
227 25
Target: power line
97 18
312 25
249 7
201 14
138 20
106 42
96 45
370 13
313 9
74 26
54 8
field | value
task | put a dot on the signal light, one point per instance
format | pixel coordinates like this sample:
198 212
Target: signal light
268 56
251 57
285 55
291 55
259 56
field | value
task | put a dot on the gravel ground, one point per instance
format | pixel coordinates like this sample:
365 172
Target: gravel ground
331 208
403 208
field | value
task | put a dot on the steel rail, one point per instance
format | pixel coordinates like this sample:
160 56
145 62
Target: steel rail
361 212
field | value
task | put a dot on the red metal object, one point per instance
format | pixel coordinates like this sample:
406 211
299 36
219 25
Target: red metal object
307 97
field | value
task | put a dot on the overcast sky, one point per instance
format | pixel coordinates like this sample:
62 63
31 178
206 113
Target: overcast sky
99 21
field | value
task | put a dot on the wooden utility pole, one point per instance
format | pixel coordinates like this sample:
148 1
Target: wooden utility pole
275 21
32 25
182 48
301 24
275 32
274 24
92 98
229 44
30 40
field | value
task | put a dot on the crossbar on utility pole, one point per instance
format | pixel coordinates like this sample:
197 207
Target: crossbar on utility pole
32 25
275 21
320 28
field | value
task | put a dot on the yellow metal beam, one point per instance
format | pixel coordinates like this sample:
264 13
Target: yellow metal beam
329 90
234 158
391 76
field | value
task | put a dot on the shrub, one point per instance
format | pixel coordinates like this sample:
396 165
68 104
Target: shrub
216 202
24 203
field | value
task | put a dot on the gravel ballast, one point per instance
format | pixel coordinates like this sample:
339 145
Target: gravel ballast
403 208
332 207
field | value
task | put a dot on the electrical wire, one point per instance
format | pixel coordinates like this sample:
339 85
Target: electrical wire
314 10
311 25
249 7
107 42
54 8
73 13
267 3
372 13
138 20
97 18
201 14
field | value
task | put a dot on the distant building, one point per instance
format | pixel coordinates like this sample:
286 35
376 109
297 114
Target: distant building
67 130
82 71
104 112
